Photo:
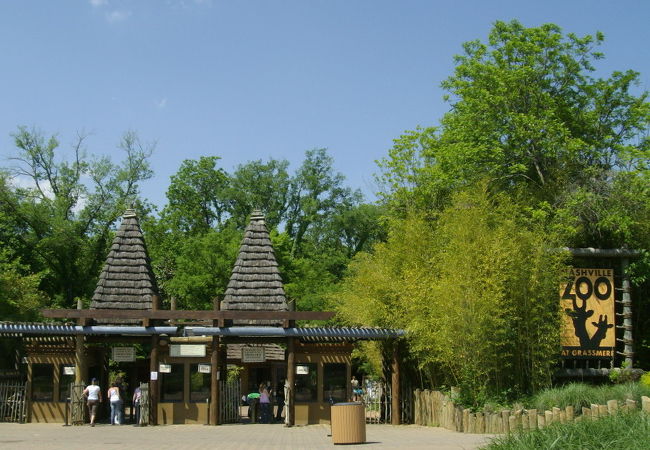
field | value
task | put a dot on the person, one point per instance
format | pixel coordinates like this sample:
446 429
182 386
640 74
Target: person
137 397
93 395
354 383
253 400
265 404
279 401
115 398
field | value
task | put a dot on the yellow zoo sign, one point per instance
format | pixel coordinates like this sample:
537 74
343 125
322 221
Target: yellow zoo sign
587 300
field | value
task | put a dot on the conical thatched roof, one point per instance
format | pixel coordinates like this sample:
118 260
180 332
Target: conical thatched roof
126 281
255 283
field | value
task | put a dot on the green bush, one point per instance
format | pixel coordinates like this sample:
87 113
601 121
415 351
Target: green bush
624 431
580 394
645 379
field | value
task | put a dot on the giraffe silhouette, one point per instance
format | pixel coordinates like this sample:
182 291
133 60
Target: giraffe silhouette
579 316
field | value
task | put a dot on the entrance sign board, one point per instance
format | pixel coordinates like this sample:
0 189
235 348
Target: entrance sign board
205 368
253 354
68 370
123 354
587 301
165 368
302 370
184 350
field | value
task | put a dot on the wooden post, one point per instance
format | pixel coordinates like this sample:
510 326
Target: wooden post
628 350
291 374
153 367
396 413
214 372
81 366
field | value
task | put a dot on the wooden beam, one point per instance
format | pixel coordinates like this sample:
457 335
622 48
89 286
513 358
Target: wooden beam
179 314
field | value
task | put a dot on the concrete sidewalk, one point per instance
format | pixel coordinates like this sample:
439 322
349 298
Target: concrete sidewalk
259 436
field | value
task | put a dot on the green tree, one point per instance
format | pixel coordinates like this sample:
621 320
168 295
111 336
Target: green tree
202 268
196 196
317 193
476 289
528 114
262 185
66 213
20 297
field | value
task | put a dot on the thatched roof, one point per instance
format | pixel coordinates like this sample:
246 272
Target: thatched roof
127 280
255 283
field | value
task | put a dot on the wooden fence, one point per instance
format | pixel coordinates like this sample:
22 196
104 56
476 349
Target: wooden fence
433 408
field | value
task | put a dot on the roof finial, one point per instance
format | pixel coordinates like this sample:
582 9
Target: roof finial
130 212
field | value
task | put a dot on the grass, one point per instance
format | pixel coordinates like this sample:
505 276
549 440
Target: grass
579 395
629 431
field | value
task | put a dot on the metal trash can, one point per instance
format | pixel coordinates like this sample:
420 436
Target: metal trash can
348 423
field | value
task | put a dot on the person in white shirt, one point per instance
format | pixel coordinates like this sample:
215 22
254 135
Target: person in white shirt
116 404
93 395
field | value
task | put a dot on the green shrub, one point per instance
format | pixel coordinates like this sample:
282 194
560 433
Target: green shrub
624 431
580 394
645 379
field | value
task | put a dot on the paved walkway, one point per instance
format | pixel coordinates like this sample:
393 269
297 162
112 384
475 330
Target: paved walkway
258 437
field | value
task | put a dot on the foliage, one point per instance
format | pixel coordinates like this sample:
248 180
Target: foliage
195 196
476 290
527 114
316 225
645 380
629 431
625 374
203 266
262 185
581 395
529 119
234 372
59 221
20 299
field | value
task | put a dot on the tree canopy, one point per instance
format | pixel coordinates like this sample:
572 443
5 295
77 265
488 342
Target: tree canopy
535 153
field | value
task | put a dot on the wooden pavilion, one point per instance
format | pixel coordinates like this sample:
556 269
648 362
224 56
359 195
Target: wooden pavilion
189 354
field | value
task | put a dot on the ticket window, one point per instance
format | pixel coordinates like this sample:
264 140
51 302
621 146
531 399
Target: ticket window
306 384
42 382
200 383
334 383
171 389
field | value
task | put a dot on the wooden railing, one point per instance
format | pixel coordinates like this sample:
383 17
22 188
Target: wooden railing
433 408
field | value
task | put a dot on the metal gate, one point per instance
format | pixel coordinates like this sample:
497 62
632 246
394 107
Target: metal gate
377 400
229 400
77 404
13 402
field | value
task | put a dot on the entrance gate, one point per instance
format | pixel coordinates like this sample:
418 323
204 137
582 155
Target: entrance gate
12 401
77 404
229 400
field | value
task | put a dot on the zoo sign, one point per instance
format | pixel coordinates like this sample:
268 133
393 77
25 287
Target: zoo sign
587 301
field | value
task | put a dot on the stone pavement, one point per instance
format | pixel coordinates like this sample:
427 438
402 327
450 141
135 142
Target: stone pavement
260 437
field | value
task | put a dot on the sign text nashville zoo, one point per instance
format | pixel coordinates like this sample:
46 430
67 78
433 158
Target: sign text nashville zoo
587 300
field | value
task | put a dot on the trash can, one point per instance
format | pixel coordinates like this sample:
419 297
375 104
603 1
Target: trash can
348 423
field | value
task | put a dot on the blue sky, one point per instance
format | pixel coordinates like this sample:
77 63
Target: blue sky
248 80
